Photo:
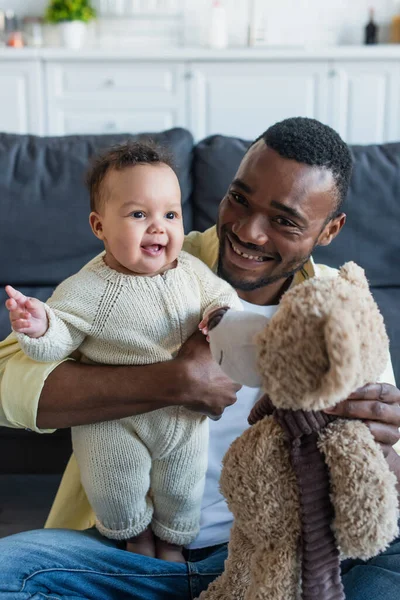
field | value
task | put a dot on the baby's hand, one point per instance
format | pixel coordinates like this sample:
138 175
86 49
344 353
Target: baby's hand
27 315
212 319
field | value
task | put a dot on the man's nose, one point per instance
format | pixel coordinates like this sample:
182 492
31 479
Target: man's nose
252 230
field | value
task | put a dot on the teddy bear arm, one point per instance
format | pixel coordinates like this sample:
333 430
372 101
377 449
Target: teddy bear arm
275 572
233 582
259 484
363 489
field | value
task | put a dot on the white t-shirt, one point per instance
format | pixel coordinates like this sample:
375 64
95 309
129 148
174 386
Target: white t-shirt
216 519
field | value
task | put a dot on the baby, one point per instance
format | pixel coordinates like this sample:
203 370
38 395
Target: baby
136 303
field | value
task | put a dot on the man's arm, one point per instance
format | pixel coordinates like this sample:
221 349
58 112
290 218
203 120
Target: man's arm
77 394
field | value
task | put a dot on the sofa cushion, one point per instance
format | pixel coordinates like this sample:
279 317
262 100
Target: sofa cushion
216 160
27 452
388 300
44 228
371 235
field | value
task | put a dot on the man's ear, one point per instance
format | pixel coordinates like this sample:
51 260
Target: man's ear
96 224
331 230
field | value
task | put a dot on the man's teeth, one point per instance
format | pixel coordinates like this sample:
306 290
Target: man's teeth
249 256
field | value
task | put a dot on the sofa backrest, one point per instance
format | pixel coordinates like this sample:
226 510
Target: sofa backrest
45 236
44 206
45 203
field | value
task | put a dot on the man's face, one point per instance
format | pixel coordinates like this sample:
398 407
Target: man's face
274 213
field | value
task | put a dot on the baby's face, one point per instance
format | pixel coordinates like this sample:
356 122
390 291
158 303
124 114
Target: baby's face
141 219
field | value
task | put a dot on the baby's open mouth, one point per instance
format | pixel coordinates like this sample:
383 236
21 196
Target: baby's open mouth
153 249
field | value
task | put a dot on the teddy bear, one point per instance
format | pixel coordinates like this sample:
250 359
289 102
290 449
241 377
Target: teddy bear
306 489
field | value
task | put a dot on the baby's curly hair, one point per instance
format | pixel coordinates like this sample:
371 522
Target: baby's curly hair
119 157
311 142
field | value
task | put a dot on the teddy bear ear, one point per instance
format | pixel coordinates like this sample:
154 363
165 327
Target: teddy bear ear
342 347
354 274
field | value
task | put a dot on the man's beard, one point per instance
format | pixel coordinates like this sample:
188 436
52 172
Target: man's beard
291 269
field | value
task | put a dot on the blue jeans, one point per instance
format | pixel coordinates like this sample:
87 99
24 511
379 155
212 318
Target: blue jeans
57 564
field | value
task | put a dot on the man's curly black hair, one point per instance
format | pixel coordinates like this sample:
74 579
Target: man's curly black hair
310 142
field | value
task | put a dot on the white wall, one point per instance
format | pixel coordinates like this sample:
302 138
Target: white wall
341 21
312 20
24 7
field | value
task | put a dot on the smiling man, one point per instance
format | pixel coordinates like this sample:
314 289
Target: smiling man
285 199
275 213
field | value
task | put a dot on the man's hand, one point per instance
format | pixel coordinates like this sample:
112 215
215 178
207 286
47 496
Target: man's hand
27 315
209 390
378 405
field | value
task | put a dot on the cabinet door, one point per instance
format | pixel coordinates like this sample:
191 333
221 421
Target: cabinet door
244 99
72 121
21 97
115 97
366 101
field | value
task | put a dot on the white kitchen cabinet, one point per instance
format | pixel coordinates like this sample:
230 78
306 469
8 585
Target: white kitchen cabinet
66 121
243 99
21 103
115 97
239 93
366 101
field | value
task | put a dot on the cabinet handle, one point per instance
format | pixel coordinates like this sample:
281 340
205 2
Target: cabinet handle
109 83
332 73
110 126
188 75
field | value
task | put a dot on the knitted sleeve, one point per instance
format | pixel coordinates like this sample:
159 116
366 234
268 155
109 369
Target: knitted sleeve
71 311
215 292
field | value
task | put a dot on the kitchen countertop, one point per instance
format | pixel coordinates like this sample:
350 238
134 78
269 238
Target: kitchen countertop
379 52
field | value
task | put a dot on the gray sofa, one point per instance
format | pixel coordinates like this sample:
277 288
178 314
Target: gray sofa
45 236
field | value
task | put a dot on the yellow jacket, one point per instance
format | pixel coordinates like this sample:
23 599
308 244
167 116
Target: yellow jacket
21 382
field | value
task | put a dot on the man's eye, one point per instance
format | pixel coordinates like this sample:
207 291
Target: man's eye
238 198
170 215
138 214
284 222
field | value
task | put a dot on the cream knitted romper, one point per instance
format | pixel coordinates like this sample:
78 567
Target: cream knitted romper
148 468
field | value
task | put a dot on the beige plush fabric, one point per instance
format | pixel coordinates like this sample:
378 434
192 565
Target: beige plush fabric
326 339
331 333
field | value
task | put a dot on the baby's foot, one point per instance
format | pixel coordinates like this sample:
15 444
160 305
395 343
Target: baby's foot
169 552
143 543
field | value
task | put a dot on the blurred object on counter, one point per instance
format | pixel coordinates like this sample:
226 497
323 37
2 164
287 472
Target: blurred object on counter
2 28
33 31
15 39
73 34
371 29
72 17
269 26
395 27
10 21
13 33
257 25
218 37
